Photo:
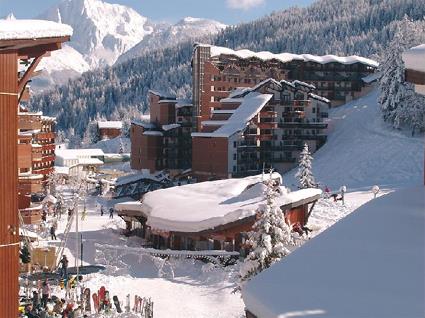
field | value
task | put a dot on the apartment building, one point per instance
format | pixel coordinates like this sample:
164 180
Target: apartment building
216 71
36 157
261 127
164 143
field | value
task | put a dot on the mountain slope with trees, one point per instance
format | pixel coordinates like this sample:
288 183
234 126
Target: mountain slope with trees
362 27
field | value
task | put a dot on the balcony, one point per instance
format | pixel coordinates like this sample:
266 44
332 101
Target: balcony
267 125
28 122
31 215
303 125
287 148
48 147
43 171
48 158
268 114
294 113
285 159
264 137
45 135
320 137
30 183
36 154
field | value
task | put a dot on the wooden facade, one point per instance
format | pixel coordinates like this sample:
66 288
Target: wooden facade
12 87
9 231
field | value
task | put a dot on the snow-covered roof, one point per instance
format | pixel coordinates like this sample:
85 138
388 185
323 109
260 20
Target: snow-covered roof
169 127
130 178
50 198
301 83
184 103
32 29
48 118
213 122
143 124
153 133
250 106
77 153
109 124
414 58
29 113
90 161
223 111
160 94
370 264
371 78
320 98
288 57
212 203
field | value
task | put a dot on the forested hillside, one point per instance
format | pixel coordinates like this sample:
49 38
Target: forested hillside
362 27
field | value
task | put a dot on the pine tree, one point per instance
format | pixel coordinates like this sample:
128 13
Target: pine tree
25 254
304 174
269 238
398 101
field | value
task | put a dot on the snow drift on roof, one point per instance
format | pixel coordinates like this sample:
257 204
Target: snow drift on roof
32 29
143 124
153 133
414 58
78 153
288 57
184 103
130 178
321 98
109 124
370 264
251 105
170 126
212 203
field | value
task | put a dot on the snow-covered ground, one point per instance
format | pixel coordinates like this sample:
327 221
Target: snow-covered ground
360 152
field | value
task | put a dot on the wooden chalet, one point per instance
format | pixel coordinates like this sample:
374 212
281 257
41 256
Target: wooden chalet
20 41
208 232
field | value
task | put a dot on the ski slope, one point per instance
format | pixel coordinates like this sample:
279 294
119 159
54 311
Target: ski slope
362 151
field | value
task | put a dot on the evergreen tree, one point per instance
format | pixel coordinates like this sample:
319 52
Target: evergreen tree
269 237
25 254
395 92
304 174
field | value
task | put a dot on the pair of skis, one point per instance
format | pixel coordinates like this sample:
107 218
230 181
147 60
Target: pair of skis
102 301
144 306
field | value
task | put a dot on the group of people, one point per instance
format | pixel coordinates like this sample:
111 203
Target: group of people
51 306
111 212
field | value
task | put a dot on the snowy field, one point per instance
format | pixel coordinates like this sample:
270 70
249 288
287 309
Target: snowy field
360 152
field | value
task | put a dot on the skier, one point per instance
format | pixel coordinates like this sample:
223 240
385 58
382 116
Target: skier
343 190
64 266
45 293
53 233
111 213
101 210
35 299
327 192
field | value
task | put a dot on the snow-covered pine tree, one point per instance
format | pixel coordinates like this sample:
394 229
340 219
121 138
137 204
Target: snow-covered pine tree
397 99
269 237
304 174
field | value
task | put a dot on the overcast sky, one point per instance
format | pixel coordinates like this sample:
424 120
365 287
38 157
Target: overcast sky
226 11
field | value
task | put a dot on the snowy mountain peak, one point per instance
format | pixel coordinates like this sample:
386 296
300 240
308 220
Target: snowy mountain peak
188 28
102 31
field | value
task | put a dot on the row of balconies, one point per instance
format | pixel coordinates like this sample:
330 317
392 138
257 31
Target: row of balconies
302 125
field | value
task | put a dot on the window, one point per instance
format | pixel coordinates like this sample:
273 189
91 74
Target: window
234 144
234 156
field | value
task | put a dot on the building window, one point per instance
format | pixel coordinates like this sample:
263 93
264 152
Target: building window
234 144
234 156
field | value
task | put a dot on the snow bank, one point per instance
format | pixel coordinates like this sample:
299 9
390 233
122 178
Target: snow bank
370 264
288 57
32 29
212 203
414 59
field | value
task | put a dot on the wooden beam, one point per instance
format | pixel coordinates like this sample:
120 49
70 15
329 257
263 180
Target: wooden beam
24 79
14 45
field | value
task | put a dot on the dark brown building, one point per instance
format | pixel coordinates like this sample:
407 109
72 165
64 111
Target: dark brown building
261 127
164 143
109 129
216 71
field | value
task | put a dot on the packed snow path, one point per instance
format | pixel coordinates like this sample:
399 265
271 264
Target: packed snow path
362 151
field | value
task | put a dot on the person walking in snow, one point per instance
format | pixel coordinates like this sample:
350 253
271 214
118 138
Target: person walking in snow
101 210
327 192
45 293
64 266
53 233
111 213
343 190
